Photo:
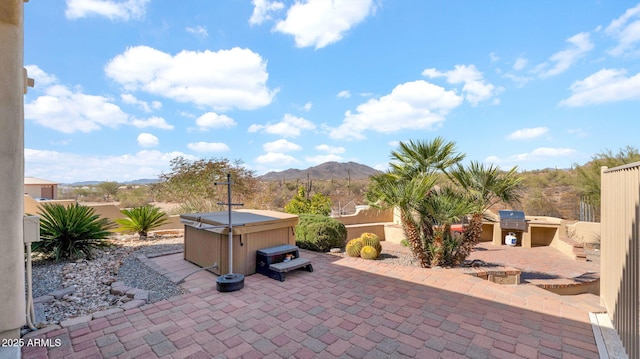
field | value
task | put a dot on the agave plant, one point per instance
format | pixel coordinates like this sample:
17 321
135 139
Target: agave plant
71 231
141 220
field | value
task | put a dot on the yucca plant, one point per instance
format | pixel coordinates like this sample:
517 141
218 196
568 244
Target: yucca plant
71 231
141 220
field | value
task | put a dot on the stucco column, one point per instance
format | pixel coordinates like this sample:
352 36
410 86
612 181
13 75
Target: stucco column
12 87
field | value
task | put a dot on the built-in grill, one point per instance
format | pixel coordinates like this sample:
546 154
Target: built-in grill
512 220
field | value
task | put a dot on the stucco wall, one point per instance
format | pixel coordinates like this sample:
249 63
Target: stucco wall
584 232
369 215
12 89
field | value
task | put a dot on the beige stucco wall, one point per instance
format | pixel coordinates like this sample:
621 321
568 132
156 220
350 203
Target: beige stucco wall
31 206
584 232
369 215
12 89
106 210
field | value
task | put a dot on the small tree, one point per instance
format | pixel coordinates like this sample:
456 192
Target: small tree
71 232
301 203
191 183
108 189
141 220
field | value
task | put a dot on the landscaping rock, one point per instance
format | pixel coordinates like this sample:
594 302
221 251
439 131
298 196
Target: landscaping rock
58 294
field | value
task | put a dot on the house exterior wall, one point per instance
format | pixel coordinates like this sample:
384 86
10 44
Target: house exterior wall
12 89
48 191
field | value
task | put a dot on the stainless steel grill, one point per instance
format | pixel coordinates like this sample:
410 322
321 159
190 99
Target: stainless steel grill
512 220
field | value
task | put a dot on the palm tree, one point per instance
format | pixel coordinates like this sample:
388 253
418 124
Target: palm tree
387 190
141 220
486 186
424 157
443 207
410 186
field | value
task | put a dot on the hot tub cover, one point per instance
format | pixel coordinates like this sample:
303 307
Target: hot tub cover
239 218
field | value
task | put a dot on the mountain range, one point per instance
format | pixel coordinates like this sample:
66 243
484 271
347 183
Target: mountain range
324 171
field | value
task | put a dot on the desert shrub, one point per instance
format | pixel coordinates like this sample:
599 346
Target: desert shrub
301 203
354 247
369 252
141 220
319 233
71 231
134 197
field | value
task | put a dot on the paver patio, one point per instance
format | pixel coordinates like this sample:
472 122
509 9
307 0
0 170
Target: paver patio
350 308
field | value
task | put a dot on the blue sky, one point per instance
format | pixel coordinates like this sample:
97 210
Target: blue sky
121 87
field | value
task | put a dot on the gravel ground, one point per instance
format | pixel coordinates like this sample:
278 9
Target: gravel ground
92 278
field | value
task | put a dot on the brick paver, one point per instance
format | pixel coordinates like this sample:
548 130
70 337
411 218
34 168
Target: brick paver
347 307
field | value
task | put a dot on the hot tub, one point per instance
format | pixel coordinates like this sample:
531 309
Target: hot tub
206 237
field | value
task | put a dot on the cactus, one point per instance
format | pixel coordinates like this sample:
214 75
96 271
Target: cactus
353 247
370 239
369 252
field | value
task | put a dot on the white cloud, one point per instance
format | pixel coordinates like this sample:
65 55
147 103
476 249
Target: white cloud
493 57
344 94
316 160
520 63
330 149
539 154
114 10
578 132
222 80
276 158
528 133
411 105
262 10
208 147
73 111
319 23
41 78
199 31
72 167
132 100
475 88
626 30
307 106
518 80
606 85
290 126
281 145
148 140
579 45
155 122
213 120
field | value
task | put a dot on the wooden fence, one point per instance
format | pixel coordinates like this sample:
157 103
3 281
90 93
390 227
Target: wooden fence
620 256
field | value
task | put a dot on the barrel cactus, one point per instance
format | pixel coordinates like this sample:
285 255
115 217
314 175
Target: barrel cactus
353 247
370 239
369 252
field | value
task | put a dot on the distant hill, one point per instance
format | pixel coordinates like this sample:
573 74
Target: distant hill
324 171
